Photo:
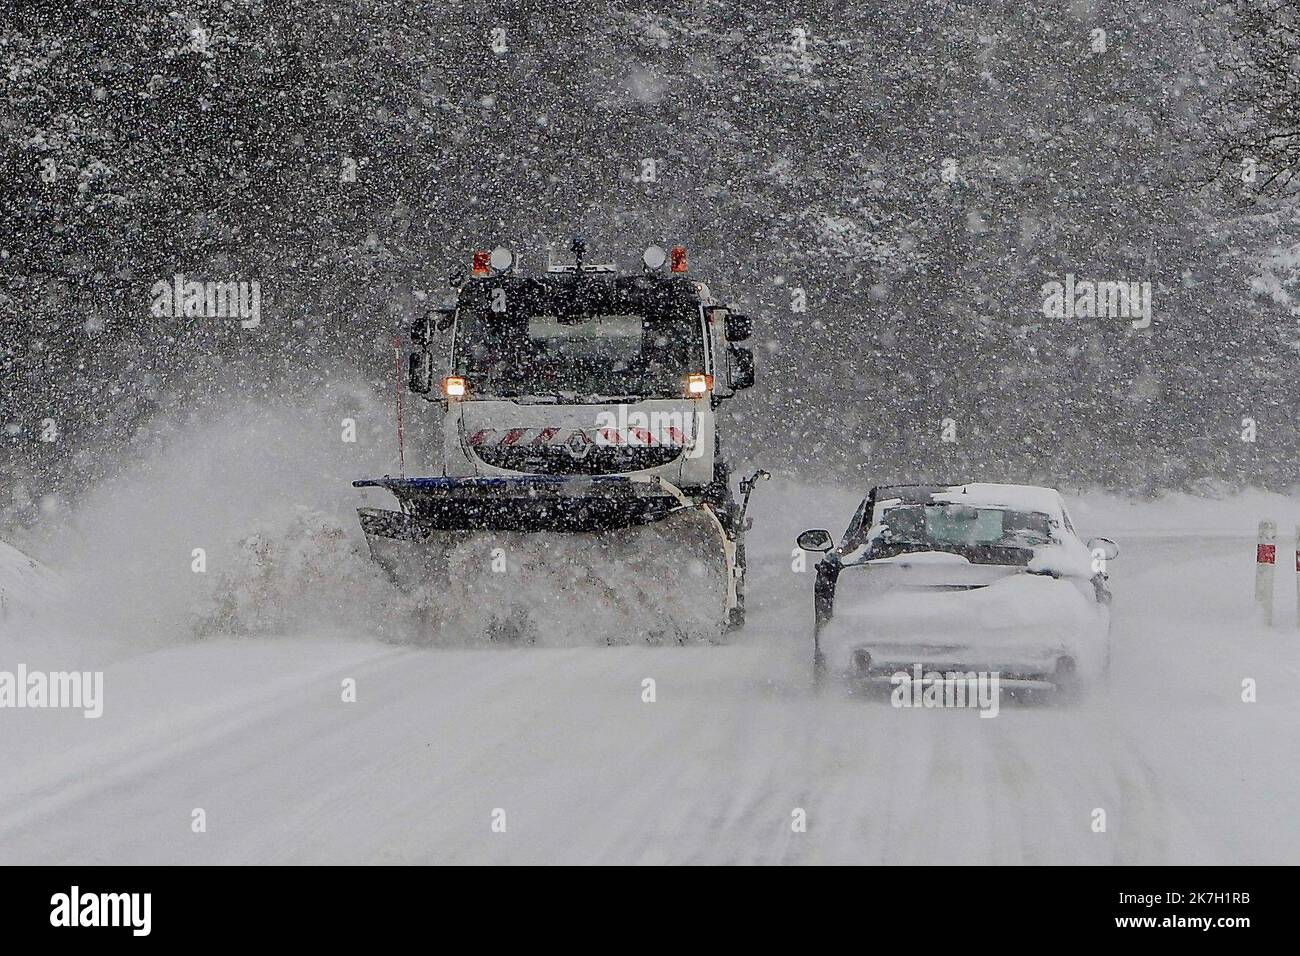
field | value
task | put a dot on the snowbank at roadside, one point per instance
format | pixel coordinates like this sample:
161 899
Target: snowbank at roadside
26 586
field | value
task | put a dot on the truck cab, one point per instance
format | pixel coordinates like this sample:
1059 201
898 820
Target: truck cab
584 371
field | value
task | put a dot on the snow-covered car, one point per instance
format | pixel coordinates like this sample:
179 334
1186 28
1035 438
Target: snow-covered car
955 579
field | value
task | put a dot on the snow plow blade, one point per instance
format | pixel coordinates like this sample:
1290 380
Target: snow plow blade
525 503
632 559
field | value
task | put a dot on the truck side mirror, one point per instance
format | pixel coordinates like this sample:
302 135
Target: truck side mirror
739 327
420 331
435 320
421 372
741 367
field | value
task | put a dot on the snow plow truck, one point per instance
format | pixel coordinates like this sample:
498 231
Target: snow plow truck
581 454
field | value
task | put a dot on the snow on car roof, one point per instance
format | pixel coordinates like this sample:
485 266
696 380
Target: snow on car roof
987 494
1016 497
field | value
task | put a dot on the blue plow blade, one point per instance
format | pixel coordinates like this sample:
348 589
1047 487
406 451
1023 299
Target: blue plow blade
490 481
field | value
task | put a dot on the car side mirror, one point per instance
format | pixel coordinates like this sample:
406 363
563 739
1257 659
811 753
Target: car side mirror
739 327
741 367
421 372
815 539
1108 548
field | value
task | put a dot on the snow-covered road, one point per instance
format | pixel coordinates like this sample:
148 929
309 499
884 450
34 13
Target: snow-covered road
256 734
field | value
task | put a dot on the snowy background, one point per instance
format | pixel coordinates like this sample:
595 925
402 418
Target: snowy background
886 189
350 156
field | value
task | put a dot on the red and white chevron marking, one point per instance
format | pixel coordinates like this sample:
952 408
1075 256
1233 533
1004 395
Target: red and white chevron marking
534 437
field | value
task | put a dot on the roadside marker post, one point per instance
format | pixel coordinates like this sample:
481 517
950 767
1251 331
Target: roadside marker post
1265 563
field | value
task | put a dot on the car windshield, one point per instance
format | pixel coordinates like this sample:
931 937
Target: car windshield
551 343
960 524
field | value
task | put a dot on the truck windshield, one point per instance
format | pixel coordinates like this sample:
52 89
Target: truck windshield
547 346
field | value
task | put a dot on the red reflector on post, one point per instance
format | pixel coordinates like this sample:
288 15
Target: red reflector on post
679 259
1265 553
482 263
